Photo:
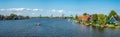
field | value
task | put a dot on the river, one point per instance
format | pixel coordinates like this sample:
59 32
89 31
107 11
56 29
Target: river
52 27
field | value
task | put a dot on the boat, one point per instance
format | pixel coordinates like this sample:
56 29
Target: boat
38 24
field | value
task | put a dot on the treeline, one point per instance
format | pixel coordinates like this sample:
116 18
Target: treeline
100 19
13 17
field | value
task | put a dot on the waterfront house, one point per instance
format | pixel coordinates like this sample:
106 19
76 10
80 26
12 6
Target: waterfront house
19 17
0 17
3 17
115 20
83 18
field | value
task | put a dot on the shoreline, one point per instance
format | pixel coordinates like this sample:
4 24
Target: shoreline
97 25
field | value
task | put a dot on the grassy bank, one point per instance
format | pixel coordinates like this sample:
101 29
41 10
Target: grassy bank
96 25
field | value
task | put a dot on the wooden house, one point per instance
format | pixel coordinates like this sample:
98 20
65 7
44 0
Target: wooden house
84 18
114 20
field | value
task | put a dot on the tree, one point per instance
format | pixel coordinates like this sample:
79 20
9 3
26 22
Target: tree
119 16
27 17
1 17
102 19
13 16
94 18
85 14
71 16
112 13
76 16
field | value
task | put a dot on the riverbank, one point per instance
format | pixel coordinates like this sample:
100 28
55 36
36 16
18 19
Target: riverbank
96 25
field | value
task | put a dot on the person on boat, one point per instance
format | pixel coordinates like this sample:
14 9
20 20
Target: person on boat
38 24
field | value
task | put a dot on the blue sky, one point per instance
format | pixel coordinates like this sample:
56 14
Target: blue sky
58 7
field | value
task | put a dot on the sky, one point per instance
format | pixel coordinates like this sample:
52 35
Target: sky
58 7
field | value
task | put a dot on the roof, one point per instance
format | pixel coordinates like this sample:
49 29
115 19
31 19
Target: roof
116 18
83 17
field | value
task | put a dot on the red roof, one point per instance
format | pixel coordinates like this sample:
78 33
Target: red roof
83 17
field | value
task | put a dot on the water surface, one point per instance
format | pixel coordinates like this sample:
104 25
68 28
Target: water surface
52 27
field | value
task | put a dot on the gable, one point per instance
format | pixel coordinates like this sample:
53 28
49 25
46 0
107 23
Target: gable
112 20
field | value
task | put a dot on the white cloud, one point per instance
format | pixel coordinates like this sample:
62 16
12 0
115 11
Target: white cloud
53 10
18 13
60 11
15 9
2 9
33 13
35 9
28 9
21 9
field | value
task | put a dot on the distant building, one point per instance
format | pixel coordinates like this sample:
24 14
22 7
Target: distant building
63 16
19 17
40 16
51 16
5 17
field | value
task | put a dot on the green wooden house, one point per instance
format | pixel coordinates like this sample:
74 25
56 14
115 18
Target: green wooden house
0 17
114 20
